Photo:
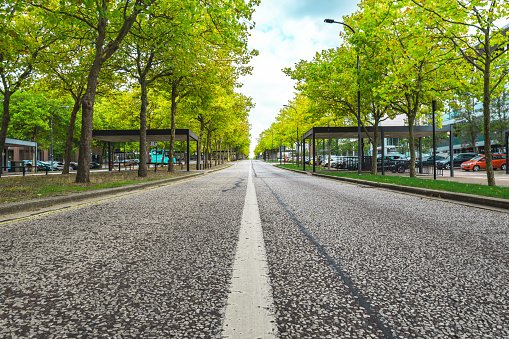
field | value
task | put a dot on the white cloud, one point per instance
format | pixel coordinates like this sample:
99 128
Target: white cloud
286 31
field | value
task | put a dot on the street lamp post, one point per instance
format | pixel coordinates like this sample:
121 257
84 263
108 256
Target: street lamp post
296 113
51 123
332 21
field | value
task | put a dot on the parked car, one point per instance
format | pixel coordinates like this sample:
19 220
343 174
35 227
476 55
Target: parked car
130 162
479 162
394 163
458 159
45 166
428 161
333 161
59 165
74 165
339 162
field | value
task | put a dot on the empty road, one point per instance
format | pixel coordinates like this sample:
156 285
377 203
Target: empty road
254 251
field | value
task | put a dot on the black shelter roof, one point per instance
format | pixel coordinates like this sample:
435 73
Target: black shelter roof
133 135
389 132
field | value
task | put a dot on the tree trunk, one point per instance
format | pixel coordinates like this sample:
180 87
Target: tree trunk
142 167
70 132
221 154
487 117
374 160
174 95
215 158
87 112
103 154
87 116
200 142
330 152
411 121
210 150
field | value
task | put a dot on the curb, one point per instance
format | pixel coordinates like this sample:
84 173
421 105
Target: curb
462 197
35 204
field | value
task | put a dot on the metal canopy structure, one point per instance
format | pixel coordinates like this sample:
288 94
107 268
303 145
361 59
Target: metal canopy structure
133 135
388 131
383 131
15 143
19 143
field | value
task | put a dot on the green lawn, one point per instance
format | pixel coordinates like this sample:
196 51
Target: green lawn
39 186
497 192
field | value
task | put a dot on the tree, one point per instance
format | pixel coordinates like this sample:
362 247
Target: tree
470 25
147 56
62 70
330 81
418 63
104 24
24 35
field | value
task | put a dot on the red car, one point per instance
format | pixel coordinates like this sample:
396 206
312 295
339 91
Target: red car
479 162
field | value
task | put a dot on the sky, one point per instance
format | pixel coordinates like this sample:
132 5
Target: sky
286 31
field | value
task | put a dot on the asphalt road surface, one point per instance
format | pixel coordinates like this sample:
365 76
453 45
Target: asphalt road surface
331 260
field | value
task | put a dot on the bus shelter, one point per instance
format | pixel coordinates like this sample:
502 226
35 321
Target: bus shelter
383 131
152 135
4 158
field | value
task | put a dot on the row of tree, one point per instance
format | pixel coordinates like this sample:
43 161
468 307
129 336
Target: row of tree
411 52
142 63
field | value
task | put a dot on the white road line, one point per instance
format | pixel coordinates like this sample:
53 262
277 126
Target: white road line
249 311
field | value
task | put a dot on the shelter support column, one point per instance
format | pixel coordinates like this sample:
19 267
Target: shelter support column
187 156
451 150
314 152
383 151
110 161
197 157
304 154
34 168
420 155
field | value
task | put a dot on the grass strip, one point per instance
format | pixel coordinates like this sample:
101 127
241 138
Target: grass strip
35 187
451 186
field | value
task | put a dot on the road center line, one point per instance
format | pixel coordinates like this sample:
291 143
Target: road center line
249 310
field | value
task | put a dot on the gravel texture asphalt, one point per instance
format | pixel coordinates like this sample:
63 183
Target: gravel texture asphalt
345 261
155 264
425 268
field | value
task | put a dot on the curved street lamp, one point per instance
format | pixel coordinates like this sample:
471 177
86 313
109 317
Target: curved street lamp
296 114
359 149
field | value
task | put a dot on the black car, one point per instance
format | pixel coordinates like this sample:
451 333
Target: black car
458 159
394 163
428 161
74 165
